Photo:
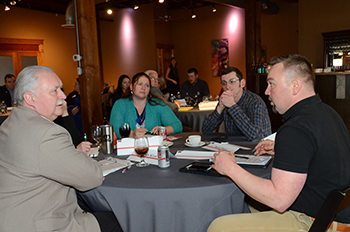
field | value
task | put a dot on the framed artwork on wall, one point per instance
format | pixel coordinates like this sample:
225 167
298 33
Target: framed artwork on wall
219 56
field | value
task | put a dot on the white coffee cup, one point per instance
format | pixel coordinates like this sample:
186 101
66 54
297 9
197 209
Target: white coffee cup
193 139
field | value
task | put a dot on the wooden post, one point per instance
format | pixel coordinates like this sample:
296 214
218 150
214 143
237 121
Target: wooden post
253 41
90 80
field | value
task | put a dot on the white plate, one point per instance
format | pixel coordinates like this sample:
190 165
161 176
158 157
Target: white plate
198 145
167 143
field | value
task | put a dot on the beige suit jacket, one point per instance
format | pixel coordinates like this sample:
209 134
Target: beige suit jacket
39 172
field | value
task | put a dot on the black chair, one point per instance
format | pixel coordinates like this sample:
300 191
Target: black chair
335 202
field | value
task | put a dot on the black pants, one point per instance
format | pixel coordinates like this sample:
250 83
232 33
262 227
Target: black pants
107 221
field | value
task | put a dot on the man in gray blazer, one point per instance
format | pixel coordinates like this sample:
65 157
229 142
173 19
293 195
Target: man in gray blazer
39 166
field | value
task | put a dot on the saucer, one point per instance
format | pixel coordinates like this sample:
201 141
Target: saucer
167 143
198 145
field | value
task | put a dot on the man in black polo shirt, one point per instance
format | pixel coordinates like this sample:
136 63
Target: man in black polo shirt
194 86
312 157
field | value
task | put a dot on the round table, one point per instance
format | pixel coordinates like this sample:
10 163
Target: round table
154 199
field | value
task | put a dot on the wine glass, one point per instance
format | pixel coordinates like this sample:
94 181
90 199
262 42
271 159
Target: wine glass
124 129
96 134
141 148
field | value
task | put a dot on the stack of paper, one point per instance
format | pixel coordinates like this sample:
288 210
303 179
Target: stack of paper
185 108
214 146
195 155
253 160
211 105
111 164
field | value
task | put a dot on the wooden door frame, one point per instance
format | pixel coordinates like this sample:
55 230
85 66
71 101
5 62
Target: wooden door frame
21 47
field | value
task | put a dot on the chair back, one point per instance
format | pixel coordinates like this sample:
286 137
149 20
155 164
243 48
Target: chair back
335 202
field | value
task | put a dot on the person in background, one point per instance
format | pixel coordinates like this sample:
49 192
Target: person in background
6 91
163 87
72 95
155 91
66 120
172 76
141 111
312 157
243 112
74 108
123 84
194 86
40 167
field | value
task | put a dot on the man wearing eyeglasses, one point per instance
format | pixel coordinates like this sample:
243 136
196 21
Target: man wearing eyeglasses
243 112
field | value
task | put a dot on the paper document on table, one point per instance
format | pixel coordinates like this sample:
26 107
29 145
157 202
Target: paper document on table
111 164
185 108
195 155
270 137
253 160
214 146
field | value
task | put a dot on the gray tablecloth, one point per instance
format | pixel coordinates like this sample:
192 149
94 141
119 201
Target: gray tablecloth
193 118
157 200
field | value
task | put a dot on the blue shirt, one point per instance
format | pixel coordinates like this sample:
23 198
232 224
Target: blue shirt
158 114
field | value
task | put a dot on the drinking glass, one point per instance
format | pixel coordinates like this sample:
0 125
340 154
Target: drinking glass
124 129
141 148
96 134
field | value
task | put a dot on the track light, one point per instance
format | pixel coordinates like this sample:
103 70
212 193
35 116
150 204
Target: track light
193 14
7 8
161 1
136 6
109 11
214 8
12 3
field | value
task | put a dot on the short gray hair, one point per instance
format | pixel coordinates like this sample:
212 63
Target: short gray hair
148 72
27 81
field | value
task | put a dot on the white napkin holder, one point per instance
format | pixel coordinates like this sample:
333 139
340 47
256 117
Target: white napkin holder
126 147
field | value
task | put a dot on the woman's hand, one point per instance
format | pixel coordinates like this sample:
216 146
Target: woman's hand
175 82
84 147
138 132
265 147
155 130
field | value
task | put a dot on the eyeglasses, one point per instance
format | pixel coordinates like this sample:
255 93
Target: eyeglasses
231 82
154 79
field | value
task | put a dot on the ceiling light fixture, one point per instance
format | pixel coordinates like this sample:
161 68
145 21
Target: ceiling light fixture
7 8
135 6
214 8
12 3
109 11
193 14
161 1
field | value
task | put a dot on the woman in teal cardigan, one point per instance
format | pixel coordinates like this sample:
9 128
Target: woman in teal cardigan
142 112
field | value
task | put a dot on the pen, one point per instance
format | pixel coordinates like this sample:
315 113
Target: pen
208 169
127 168
254 150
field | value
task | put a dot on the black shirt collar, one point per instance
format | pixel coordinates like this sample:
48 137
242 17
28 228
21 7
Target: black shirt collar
300 105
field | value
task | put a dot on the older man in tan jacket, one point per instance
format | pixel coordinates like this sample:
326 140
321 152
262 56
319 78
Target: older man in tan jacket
39 166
